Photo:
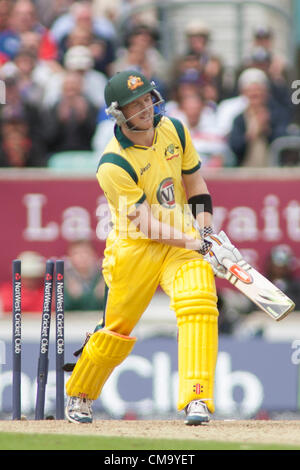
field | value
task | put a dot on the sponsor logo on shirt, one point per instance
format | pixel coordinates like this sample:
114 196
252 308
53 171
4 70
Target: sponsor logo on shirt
142 171
166 193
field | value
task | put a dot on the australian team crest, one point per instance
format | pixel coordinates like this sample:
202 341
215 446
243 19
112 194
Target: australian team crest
134 82
166 193
172 151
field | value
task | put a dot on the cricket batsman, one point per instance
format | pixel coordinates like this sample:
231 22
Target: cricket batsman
162 234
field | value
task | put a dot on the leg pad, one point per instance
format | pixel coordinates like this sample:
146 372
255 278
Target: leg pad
103 352
195 305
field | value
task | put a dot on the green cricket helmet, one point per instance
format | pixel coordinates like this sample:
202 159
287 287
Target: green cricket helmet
125 87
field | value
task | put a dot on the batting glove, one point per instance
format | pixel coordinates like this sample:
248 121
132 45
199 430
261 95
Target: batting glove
218 247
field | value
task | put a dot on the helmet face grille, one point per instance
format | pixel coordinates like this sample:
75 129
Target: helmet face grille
116 113
126 86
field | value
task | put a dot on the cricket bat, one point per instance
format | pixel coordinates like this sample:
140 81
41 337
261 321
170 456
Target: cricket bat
259 289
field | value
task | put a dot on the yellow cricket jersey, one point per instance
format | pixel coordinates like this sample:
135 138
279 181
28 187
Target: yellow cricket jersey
130 174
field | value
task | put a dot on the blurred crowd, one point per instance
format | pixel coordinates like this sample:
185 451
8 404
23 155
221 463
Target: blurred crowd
56 57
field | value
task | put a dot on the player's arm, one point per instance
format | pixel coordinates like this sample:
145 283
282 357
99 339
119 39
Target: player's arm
198 198
197 193
156 230
215 248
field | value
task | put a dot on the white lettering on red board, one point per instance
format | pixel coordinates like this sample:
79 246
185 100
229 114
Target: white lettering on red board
241 223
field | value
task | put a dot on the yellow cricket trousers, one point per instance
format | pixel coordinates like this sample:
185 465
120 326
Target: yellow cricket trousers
133 269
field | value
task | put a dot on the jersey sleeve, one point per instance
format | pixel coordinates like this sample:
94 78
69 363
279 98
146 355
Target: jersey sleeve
120 187
191 160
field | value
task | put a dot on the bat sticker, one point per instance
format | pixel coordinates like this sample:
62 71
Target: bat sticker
241 274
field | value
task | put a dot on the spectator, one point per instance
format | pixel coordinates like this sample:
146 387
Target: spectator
102 50
200 119
17 148
228 110
5 9
84 284
111 9
23 19
279 88
78 59
103 53
200 59
8 44
280 271
140 53
263 37
71 122
187 69
30 90
43 70
198 36
79 36
258 125
33 271
115 9
17 106
81 14
48 12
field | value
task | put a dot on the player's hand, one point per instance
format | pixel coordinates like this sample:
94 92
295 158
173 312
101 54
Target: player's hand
220 247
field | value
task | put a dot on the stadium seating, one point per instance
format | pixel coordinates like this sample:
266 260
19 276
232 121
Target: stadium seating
83 161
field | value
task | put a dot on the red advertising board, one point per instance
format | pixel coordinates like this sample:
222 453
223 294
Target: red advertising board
44 210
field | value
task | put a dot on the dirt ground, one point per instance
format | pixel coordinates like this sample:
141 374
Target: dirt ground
256 431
